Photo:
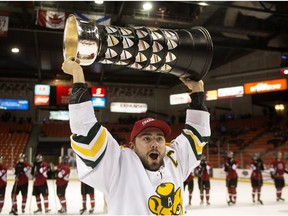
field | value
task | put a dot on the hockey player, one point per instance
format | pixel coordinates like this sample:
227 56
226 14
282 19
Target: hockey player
230 168
256 177
204 172
62 180
39 171
3 181
87 190
277 171
22 172
189 182
148 177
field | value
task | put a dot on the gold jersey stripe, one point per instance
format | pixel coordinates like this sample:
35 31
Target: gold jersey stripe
91 152
198 146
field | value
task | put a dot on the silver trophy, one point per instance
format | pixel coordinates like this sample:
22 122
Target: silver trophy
181 52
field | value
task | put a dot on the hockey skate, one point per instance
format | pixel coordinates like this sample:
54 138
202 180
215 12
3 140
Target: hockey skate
231 202
280 199
39 210
13 211
62 210
260 201
47 210
91 210
82 211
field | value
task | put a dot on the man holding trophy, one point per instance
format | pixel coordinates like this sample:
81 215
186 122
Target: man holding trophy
148 177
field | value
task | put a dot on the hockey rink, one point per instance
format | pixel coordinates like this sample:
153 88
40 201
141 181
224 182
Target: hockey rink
218 197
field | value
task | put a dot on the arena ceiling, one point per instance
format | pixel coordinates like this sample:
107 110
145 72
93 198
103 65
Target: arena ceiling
236 28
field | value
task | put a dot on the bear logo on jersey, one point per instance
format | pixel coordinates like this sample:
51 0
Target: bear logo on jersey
168 201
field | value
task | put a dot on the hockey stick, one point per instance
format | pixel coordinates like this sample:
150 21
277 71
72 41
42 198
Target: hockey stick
200 183
54 189
14 195
30 201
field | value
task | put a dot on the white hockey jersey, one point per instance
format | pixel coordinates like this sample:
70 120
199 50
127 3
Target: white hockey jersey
128 187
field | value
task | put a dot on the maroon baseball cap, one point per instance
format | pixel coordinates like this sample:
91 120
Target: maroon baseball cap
149 122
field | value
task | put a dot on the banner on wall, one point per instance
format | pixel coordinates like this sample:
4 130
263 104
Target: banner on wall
51 19
265 86
99 102
182 98
41 95
98 19
40 89
98 92
123 107
62 94
230 92
14 104
4 21
41 100
211 95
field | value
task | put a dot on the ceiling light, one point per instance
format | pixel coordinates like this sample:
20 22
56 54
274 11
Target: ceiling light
279 107
284 71
202 4
99 2
147 6
15 50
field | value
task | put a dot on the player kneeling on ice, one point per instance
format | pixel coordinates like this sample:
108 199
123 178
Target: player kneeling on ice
148 177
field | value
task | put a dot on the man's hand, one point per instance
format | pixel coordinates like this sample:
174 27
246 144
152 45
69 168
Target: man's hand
195 86
72 67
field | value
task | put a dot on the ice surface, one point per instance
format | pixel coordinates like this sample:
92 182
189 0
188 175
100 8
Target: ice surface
218 196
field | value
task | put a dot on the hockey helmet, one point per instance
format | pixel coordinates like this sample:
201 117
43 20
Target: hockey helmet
21 157
278 155
63 160
39 158
256 156
230 154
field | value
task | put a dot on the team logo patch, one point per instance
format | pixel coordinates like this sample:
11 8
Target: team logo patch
168 200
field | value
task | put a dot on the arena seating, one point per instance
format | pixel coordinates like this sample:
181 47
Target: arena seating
56 129
13 139
242 136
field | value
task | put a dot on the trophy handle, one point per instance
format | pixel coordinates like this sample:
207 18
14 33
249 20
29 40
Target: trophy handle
181 52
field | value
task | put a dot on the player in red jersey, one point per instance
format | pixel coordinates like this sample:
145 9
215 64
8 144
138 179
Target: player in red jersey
230 168
189 182
39 171
22 172
204 172
3 181
87 190
63 172
256 177
277 171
